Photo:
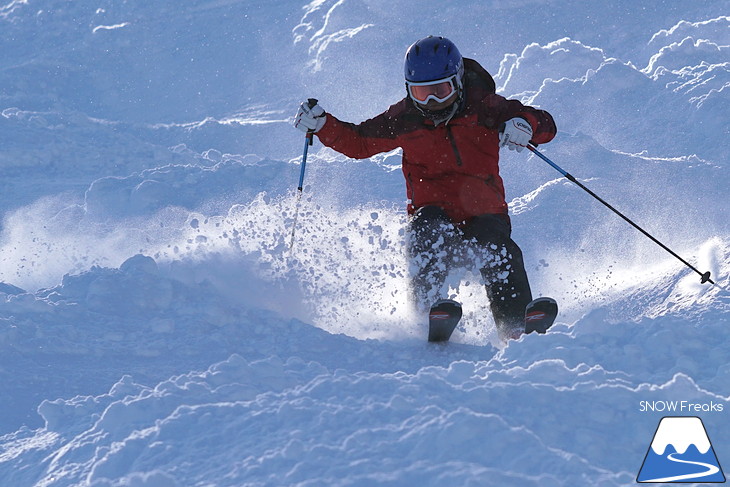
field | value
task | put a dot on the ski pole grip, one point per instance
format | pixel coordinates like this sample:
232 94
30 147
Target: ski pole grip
311 102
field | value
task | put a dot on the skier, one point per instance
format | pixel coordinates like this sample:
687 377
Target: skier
450 126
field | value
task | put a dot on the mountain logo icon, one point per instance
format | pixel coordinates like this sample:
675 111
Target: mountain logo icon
680 452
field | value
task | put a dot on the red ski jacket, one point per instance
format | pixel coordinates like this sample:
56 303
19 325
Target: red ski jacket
455 165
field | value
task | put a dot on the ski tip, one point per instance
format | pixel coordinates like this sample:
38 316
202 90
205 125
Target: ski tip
446 301
442 320
540 315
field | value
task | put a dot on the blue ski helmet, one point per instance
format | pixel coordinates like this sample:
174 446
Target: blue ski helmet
433 58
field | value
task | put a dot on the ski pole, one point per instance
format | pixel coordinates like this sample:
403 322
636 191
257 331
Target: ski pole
705 277
308 140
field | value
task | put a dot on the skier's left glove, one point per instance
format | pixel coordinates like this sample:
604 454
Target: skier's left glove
515 134
310 118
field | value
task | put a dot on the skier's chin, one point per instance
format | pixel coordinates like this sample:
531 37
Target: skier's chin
437 114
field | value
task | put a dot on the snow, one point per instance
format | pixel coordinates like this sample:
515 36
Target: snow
156 330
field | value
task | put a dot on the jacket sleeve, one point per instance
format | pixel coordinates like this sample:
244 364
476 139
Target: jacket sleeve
500 110
363 140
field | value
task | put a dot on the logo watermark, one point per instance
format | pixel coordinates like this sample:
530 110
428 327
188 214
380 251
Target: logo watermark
680 452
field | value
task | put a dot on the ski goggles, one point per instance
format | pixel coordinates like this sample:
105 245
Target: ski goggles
439 90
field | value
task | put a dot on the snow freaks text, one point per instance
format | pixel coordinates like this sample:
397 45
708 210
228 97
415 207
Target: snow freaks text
680 407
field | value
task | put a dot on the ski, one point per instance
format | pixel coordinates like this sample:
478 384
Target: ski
540 315
442 320
445 314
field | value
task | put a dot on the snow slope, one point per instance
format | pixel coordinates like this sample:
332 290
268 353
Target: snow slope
156 329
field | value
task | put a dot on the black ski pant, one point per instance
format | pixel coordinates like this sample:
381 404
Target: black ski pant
436 245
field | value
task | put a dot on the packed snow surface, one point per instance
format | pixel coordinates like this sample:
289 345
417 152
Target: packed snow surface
158 330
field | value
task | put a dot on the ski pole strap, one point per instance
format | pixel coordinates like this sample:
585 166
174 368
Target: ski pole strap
705 277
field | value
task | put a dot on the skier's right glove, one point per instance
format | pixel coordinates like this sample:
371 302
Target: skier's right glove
310 118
